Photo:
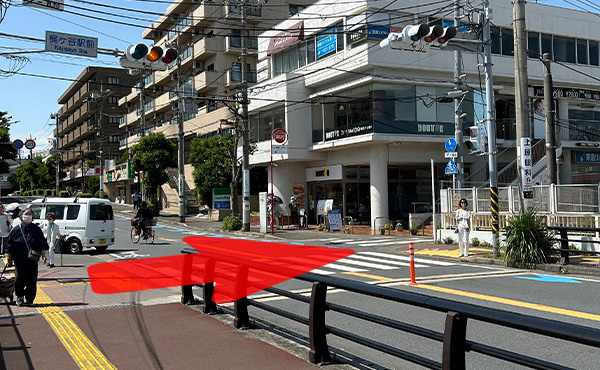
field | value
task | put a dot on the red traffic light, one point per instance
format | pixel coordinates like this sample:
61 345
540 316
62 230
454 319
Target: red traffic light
170 56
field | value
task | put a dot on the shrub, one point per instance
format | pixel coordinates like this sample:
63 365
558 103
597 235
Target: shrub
475 242
48 192
527 240
413 230
448 240
85 195
254 213
485 245
104 194
39 191
155 207
388 226
399 226
232 223
320 227
53 193
63 194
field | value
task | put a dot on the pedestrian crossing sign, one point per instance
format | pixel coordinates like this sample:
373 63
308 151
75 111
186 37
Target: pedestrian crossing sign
451 168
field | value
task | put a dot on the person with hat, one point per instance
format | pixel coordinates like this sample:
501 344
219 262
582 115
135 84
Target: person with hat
294 210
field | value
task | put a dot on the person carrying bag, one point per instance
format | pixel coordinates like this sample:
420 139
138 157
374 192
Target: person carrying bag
25 246
463 219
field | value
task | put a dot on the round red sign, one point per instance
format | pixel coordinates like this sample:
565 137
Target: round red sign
279 135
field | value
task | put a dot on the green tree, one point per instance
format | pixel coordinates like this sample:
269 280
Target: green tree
26 174
153 155
211 165
51 169
6 150
93 184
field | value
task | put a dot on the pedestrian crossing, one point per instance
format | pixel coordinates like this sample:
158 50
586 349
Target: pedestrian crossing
370 242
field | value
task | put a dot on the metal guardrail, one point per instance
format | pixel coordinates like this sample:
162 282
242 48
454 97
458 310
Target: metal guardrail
453 338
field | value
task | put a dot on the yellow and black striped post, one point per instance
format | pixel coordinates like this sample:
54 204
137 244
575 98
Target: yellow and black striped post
495 218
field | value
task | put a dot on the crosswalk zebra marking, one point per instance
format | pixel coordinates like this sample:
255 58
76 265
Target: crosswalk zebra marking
405 264
367 264
369 241
404 258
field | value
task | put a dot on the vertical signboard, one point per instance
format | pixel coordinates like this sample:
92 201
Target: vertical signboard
526 175
326 43
221 198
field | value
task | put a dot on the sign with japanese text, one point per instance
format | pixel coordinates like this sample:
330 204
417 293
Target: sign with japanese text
64 43
326 43
526 175
46 4
587 157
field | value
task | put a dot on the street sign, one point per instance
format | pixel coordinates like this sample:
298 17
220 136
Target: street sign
451 168
526 174
279 135
17 144
29 144
451 155
450 145
65 43
280 149
46 4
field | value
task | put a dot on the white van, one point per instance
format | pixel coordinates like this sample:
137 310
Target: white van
85 222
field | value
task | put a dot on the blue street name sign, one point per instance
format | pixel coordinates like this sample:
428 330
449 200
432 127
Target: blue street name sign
450 145
451 168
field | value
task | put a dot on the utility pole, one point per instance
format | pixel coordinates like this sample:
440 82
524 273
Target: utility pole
521 93
458 133
549 111
142 121
56 153
180 142
491 126
245 138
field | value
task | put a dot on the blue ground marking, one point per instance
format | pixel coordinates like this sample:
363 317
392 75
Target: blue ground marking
124 218
296 243
157 226
268 241
216 236
549 279
177 230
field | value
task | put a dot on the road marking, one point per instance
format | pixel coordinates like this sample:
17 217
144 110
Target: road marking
170 240
81 349
366 264
368 276
369 241
512 302
405 264
404 258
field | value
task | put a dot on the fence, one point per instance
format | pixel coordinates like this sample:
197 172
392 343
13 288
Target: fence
453 339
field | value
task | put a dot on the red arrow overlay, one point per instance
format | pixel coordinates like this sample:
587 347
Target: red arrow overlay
237 267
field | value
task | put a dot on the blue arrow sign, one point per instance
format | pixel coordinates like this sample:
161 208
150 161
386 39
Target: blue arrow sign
451 168
450 145
550 279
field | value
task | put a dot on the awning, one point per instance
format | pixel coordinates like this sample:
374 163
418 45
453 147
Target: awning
287 37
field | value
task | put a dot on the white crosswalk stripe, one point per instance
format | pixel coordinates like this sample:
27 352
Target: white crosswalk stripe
405 258
367 264
370 241
405 264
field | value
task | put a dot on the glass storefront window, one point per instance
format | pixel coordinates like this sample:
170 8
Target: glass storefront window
351 172
279 118
364 172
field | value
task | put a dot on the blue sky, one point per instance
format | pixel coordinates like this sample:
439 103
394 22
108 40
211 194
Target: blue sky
29 99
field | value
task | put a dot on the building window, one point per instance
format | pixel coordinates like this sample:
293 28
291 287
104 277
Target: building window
113 80
547 45
295 9
593 53
113 100
149 79
235 40
564 49
115 120
582 52
533 44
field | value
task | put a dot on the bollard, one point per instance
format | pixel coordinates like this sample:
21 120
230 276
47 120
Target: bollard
411 251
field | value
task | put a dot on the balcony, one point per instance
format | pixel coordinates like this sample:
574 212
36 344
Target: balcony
206 81
160 77
253 13
163 102
205 14
235 77
205 48
132 118
132 97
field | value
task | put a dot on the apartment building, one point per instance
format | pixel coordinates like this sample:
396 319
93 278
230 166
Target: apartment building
88 122
208 36
365 122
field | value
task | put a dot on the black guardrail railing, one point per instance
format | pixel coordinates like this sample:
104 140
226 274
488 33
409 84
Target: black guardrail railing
564 241
454 337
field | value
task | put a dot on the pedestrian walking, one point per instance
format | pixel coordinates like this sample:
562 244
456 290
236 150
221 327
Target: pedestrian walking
136 200
5 226
52 233
294 211
24 247
463 219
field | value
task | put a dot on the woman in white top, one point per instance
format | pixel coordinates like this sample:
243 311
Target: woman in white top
5 226
52 234
463 218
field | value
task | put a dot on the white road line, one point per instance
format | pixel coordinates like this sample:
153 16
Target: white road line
370 241
322 272
195 232
344 268
404 258
372 244
386 261
338 241
367 264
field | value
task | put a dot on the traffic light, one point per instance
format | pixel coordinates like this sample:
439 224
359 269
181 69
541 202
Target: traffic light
475 139
419 37
140 57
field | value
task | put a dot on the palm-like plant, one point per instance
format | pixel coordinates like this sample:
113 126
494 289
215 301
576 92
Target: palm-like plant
528 241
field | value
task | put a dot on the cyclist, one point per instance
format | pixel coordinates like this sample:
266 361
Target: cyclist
144 217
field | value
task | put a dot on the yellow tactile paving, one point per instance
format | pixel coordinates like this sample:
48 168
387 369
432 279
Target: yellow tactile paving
368 276
451 252
81 349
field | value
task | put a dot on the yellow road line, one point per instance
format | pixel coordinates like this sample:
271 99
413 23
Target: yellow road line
512 302
376 277
81 349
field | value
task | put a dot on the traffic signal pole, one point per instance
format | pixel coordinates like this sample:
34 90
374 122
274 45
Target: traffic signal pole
458 127
180 144
245 138
491 127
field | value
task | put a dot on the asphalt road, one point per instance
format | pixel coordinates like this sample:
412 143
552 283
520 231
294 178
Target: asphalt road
564 298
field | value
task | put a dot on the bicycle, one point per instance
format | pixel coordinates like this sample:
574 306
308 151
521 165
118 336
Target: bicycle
148 235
